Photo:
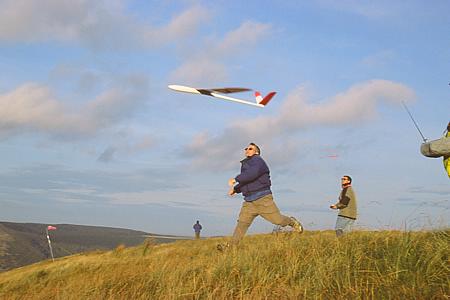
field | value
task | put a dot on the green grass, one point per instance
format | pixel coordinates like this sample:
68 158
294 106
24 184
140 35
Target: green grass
315 265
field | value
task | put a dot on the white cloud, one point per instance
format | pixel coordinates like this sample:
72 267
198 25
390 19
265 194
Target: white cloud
96 24
379 59
207 65
246 36
358 103
200 71
182 25
32 107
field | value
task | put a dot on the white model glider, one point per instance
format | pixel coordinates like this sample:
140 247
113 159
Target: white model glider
220 93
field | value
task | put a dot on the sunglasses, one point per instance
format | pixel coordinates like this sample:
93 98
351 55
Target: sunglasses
250 149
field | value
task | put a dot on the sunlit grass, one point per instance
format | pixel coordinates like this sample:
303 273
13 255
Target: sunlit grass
316 265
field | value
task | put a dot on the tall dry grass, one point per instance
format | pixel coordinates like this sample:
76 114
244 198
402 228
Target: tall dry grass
316 265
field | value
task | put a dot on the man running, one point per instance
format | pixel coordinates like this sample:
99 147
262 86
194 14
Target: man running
254 184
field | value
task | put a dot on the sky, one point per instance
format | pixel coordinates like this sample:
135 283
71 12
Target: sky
90 134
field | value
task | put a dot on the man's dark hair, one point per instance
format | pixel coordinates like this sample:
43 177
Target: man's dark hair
258 151
348 177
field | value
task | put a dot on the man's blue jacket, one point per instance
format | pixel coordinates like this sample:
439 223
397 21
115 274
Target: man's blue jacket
254 180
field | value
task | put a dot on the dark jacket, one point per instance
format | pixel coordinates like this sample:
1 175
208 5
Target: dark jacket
254 180
197 227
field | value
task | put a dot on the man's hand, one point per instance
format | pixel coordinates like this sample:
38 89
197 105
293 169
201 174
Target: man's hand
231 192
231 182
333 206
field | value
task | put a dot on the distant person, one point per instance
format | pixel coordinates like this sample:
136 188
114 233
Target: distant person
347 207
254 184
197 228
447 158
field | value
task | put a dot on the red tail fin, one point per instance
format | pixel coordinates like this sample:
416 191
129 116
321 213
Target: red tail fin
258 97
267 98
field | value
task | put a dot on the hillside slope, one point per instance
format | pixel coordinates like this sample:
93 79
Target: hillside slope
25 243
315 265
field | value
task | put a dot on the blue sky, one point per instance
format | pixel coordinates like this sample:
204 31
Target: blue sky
90 134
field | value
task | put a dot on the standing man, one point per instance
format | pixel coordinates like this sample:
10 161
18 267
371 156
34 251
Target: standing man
346 206
254 184
197 228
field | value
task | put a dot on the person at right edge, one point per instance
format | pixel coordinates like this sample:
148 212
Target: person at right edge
447 158
347 207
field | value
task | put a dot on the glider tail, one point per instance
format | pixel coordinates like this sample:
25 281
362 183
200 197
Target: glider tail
265 100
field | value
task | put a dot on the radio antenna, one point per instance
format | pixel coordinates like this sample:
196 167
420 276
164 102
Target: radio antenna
414 121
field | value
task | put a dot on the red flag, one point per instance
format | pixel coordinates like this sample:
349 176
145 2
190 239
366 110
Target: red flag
49 227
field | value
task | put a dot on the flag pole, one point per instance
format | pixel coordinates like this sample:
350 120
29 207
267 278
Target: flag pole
49 244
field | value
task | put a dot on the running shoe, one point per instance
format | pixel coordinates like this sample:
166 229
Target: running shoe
296 225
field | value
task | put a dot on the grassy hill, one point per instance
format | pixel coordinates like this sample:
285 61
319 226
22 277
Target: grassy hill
25 243
315 265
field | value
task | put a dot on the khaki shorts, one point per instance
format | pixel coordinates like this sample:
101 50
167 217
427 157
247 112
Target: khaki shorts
264 207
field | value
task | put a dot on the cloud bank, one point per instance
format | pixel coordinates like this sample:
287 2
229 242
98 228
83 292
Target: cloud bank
357 104
99 25
207 64
34 108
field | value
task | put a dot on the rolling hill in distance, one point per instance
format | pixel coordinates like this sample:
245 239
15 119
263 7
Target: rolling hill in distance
26 243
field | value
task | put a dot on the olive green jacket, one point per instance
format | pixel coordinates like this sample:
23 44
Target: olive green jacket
347 204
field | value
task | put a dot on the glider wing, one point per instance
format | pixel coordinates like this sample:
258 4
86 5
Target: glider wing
230 90
221 94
